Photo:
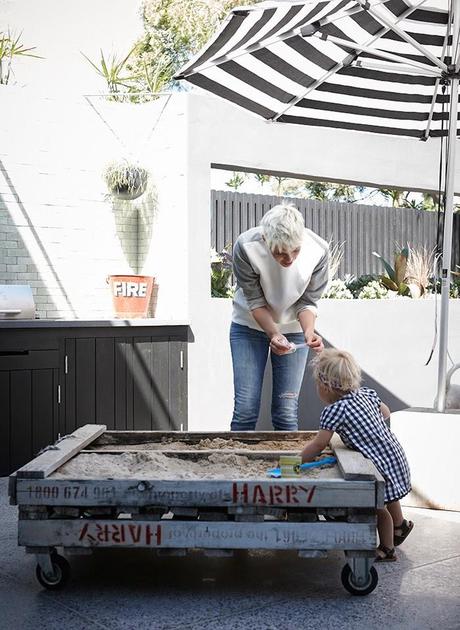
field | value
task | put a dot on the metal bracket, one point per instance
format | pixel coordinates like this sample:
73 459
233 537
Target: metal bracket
44 560
360 567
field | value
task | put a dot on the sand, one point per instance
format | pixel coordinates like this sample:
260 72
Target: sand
204 444
155 465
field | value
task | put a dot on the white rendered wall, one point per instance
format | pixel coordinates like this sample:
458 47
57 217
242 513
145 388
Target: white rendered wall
59 230
56 213
220 133
391 340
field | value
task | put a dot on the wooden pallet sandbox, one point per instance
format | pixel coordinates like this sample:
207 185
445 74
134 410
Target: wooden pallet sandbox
177 491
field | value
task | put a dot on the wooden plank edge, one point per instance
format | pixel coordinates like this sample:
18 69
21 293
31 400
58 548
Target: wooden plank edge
194 453
249 437
56 455
344 453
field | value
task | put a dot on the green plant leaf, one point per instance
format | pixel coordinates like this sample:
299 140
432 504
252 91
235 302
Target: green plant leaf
403 289
389 283
388 268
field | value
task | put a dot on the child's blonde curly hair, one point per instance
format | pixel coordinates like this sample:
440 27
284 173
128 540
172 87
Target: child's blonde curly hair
337 369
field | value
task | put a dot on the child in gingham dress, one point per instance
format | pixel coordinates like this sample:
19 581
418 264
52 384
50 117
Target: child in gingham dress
357 415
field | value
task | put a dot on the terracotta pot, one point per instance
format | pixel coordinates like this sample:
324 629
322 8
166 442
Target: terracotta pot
131 295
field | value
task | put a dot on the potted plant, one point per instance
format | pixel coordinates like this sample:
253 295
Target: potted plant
125 180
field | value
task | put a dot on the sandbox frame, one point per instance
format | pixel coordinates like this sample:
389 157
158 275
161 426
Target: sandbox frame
310 515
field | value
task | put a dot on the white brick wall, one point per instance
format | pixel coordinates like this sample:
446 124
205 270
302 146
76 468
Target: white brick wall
59 231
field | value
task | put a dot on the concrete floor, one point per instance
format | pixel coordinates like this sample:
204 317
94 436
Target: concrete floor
135 589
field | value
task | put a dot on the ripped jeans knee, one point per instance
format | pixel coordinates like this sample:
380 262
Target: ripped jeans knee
284 411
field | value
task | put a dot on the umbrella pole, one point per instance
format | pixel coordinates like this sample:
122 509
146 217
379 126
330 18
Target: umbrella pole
440 402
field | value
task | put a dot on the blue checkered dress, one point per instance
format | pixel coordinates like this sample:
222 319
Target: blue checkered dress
357 419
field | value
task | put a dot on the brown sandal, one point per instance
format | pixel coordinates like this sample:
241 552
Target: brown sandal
389 554
405 528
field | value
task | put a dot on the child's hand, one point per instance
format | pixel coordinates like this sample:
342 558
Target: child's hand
306 456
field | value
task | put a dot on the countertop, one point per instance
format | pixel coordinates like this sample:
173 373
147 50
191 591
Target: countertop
89 323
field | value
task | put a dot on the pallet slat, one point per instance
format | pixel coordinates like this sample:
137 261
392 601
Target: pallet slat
194 454
56 455
352 464
248 437
196 534
307 493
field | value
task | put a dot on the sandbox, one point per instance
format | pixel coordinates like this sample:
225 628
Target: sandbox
177 491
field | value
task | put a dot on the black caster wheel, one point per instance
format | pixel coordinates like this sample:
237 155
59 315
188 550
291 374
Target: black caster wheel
61 576
359 589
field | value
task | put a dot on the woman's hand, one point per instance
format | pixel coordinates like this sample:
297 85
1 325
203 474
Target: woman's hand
279 344
314 341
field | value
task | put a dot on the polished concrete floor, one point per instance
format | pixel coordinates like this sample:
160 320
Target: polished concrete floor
137 590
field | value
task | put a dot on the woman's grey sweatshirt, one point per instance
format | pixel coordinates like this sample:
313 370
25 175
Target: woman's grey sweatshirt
262 281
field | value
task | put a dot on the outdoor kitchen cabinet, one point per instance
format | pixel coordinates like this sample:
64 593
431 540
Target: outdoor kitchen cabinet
58 376
28 403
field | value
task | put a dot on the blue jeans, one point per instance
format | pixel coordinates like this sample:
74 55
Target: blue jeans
250 349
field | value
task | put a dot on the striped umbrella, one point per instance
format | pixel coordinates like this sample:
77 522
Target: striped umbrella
378 66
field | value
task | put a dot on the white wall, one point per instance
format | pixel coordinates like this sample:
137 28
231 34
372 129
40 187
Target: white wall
61 30
59 230
391 340
53 150
220 133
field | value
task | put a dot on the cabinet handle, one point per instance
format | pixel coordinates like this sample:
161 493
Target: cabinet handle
181 359
66 364
59 394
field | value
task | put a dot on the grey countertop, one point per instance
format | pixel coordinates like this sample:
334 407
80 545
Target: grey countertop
88 323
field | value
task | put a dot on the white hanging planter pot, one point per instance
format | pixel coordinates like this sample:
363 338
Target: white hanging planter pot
125 180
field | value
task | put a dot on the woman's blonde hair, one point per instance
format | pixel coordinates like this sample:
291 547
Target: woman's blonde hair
337 369
283 227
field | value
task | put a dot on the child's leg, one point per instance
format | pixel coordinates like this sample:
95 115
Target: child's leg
402 528
395 510
385 527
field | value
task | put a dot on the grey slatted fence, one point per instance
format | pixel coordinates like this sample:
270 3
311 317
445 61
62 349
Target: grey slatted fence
363 229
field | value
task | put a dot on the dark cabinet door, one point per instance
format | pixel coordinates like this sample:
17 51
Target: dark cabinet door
126 383
29 401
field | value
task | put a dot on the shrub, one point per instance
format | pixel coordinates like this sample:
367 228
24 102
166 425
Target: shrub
221 273
373 291
337 290
355 285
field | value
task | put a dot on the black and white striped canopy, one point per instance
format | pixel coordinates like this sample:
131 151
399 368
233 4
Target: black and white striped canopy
377 66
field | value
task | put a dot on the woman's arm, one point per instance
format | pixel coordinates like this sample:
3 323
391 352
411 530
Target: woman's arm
278 342
318 444
307 320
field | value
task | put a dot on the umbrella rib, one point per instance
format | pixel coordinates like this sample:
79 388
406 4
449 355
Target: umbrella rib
381 53
405 36
371 65
265 43
342 64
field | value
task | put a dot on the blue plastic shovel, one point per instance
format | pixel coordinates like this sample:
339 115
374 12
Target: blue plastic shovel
326 461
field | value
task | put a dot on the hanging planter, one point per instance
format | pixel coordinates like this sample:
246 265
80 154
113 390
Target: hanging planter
125 180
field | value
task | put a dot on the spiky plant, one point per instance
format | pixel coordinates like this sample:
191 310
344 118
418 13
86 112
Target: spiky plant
335 258
126 179
114 71
419 271
396 276
11 47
